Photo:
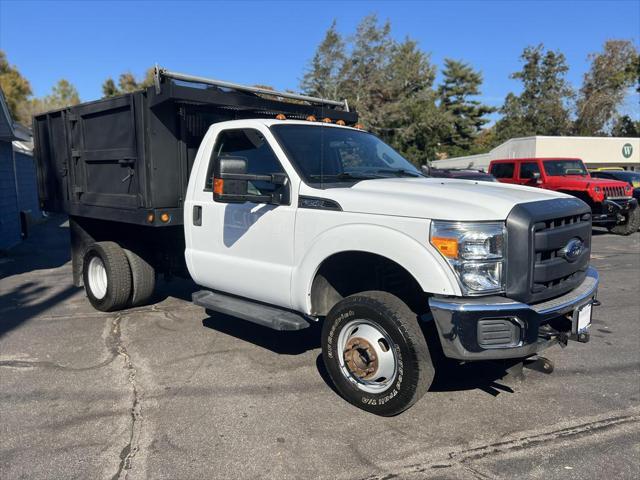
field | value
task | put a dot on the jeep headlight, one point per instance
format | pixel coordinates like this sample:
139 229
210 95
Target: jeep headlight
475 252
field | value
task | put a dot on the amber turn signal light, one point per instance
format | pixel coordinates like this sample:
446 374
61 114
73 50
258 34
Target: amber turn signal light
446 246
150 218
165 217
218 185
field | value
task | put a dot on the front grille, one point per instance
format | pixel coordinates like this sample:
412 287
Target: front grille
552 272
614 192
538 235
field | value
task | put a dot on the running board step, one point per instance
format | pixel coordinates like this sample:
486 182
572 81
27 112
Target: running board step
265 315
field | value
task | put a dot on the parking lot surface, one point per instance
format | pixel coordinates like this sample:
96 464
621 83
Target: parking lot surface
168 391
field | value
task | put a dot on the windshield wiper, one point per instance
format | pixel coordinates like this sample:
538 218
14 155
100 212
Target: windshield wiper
343 176
400 172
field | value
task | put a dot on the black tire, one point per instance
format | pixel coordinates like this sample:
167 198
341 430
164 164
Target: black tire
630 225
117 291
415 370
143 276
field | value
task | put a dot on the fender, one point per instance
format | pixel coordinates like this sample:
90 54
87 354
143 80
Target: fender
430 271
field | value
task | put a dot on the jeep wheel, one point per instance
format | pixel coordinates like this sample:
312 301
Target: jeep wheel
630 225
376 353
107 276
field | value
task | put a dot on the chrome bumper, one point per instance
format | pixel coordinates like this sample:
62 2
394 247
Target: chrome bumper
497 327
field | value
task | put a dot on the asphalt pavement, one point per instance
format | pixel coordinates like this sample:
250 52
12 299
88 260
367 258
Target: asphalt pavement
167 391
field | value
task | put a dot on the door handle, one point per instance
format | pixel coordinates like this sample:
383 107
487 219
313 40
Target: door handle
197 215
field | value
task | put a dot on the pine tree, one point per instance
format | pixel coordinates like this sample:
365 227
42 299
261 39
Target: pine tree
109 88
605 85
542 107
467 115
322 77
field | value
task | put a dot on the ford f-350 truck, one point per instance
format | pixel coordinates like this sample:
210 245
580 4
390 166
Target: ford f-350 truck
287 213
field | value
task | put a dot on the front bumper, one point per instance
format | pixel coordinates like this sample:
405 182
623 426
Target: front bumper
489 328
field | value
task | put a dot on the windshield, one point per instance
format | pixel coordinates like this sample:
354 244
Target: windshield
331 155
559 168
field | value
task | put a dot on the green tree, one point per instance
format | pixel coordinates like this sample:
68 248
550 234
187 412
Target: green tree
322 76
613 71
15 87
109 88
624 126
63 94
467 115
127 83
543 106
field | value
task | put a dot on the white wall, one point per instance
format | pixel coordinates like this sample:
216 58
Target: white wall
595 151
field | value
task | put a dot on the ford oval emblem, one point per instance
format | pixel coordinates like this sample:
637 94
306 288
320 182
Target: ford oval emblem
572 250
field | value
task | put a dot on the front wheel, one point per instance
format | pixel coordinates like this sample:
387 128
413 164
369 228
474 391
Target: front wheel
376 353
630 225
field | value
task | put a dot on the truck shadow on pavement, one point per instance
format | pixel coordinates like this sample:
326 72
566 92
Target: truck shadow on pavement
450 375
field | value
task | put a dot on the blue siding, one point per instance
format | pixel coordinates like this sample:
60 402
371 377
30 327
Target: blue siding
9 216
27 184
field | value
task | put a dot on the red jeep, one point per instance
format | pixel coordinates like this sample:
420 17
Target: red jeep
612 203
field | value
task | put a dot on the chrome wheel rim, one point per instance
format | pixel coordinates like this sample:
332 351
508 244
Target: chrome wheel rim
367 356
97 275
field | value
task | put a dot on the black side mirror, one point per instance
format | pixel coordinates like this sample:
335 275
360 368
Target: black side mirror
231 182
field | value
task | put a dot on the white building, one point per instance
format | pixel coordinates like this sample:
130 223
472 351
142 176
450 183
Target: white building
594 151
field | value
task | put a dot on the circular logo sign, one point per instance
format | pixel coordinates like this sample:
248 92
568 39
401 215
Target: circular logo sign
572 250
627 150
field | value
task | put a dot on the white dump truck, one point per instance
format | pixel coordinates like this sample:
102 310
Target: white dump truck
287 213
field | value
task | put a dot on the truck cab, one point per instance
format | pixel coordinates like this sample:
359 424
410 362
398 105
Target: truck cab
611 201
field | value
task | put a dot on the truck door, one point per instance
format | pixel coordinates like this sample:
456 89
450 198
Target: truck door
503 171
246 248
529 174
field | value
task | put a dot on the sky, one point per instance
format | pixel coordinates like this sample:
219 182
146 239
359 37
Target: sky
272 42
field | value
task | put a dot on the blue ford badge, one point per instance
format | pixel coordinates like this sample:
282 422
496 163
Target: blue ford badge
572 250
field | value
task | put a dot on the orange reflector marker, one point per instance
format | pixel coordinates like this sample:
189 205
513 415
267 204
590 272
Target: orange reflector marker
280 116
218 185
447 246
165 217
151 217
312 118
326 120
359 126
341 123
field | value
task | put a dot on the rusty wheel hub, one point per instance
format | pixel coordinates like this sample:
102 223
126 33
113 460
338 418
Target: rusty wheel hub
360 357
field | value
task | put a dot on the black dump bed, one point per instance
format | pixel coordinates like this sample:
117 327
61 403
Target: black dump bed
124 158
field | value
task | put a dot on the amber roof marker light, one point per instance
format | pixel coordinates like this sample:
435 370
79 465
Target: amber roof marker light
280 116
341 123
312 118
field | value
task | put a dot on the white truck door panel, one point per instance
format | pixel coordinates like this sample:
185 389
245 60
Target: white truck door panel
244 249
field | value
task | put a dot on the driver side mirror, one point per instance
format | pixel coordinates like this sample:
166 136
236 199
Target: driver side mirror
231 182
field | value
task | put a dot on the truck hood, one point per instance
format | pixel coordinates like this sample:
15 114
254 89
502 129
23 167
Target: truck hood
578 181
436 198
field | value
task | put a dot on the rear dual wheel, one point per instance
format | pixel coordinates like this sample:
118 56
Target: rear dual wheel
115 278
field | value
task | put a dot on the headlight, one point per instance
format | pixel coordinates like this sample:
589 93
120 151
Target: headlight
475 252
